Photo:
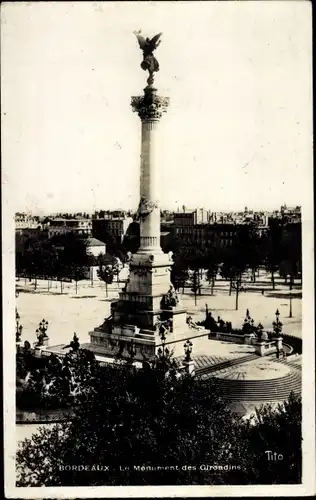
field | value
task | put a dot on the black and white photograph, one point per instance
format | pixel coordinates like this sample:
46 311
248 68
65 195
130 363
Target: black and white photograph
158 249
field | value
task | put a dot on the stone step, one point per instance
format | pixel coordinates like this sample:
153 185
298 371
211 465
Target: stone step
260 390
257 390
264 398
225 364
278 396
255 384
292 364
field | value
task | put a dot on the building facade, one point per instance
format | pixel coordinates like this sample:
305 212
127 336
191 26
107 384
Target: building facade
213 235
111 230
59 226
26 221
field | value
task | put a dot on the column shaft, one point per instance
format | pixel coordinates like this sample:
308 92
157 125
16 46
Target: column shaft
149 186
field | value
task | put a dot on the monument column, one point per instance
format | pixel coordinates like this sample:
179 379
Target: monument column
148 302
150 108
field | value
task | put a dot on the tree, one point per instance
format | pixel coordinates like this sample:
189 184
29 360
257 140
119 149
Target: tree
54 382
232 268
138 418
71 258
195 278
141 418
212 265
34 259
195 257
105 273
253 247
278 431
274 251
178 276
117 268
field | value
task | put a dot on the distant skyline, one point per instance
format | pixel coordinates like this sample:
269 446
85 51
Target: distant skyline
162 208
238 131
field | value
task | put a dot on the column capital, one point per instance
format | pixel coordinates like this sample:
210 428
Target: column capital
150 106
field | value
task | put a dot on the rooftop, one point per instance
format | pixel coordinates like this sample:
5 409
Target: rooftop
93 242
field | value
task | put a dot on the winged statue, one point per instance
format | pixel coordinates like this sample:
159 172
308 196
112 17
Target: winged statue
147 45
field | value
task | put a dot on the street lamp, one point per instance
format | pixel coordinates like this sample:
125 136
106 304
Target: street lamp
187 350
291 284
163 328
248 326
42 327
277 325
19 327
41 331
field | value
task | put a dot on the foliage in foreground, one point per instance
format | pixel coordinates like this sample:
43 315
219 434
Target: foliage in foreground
53 382
132 419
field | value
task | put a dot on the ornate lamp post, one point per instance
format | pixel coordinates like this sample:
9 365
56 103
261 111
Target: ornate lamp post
187 350
163 329
188 362
277 328
277 325
291 285
248 323
41 332
19 327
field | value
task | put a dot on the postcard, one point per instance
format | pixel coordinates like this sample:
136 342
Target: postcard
158 249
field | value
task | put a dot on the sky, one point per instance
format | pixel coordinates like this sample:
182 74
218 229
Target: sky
238 131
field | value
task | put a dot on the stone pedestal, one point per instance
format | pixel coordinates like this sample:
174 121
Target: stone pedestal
278 343
248 338
189 367
38 350
260 348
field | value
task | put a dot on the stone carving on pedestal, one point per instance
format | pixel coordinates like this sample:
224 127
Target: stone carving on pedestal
142 271
170 299
163 327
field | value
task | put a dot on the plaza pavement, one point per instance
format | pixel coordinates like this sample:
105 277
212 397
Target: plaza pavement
70 312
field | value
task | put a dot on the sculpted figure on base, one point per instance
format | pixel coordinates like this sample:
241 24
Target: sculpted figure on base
145 208
170 299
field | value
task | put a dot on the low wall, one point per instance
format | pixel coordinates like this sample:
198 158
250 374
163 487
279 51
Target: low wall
294 342
235 338
269 347
230 337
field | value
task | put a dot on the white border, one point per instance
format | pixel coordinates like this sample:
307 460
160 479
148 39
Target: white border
308 375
